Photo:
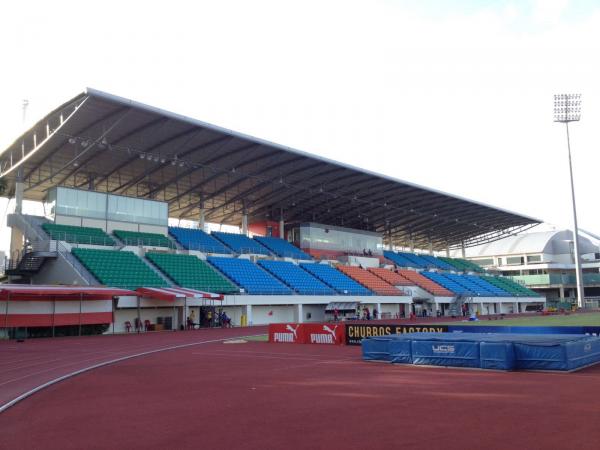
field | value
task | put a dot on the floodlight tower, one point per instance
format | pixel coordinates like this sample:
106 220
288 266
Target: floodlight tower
567 108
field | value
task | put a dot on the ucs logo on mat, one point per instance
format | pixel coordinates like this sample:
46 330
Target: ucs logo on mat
292 336
442 348
328 337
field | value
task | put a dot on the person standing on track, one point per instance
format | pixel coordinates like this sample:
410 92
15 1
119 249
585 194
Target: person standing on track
209 316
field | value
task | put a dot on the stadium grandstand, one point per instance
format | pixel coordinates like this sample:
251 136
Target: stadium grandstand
116 176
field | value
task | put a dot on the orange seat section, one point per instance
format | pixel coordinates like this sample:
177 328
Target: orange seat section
425 283
370 281
393 278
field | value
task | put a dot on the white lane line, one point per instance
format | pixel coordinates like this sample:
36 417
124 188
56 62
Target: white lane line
29 393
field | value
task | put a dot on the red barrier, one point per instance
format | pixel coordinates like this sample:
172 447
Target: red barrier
307 333
325 333
292 333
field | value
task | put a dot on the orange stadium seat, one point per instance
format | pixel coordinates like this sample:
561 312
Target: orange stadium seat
425 283
369 280
391 277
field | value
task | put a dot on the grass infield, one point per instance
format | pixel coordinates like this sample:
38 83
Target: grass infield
584 320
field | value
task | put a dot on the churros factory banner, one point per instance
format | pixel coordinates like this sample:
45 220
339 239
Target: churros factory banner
356 332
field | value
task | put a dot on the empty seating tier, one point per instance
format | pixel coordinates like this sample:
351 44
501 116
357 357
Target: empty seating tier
428 284
463 264
401 260
191 272
437 262
449 284
296 278
118 268
469 284
198 240
510 286
249 276
77 235
140 238
240 243
343 284
497 291
391 277
282 248
370 280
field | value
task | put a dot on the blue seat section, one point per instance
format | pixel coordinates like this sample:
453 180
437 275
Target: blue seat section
498 292
436 262
296 278
198 240
241 243
448 284
417 260
334 278
401 260
282 248
470 285
249 276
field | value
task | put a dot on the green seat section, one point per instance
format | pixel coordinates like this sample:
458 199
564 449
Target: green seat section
139 238
191 272
462 264
510 286
77 235
118 268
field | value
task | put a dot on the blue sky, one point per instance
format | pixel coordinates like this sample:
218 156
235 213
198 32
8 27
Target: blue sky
452 95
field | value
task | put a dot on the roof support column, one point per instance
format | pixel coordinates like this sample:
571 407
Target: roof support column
411 243
245 221
447 251
202 216
430 247
390 239
281 224
462 249
19 188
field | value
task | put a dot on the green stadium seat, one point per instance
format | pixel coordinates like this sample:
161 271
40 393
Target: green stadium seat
191 272
116 268
140 238
77 235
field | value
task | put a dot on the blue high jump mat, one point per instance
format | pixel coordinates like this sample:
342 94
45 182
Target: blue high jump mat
498 351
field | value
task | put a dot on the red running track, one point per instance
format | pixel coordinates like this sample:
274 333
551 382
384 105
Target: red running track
26 365
275 396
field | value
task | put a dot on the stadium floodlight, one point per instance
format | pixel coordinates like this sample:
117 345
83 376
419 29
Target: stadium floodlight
567 108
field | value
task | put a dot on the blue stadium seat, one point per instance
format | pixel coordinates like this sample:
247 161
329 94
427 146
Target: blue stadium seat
438 263
282 248
241 243
464 281
498 292
198 240
296 278
249 276
343 284
405 260
449 284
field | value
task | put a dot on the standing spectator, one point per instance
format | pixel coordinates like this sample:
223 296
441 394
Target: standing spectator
336 314
209 317
375 313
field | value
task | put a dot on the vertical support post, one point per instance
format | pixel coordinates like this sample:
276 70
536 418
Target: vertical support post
19 188
299 313
390 245
139 315
53 314
112 304
462 249
447 251
430 247
249 315
185 312
411 244
578 274
281 224
202 216
80 308
6 315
